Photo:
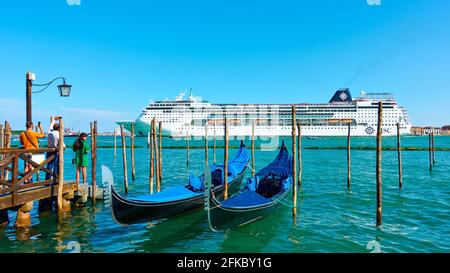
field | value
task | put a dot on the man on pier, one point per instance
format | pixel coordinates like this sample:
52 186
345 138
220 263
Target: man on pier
30 140
53 142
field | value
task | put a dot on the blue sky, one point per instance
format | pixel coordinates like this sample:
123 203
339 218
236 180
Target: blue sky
120 54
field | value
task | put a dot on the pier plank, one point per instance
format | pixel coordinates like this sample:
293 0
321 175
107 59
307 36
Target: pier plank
35 193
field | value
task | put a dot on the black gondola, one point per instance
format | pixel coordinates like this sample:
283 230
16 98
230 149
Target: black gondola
263 194
175 200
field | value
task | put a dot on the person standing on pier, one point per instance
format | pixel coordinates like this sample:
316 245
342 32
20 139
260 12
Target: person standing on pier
53 142
81 159
30 140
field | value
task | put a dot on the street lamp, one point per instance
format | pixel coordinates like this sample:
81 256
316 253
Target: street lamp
64 90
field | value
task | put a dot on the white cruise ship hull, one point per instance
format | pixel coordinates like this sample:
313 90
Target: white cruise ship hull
182 118
142 129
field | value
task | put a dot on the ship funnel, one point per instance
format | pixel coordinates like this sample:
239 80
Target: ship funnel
342 95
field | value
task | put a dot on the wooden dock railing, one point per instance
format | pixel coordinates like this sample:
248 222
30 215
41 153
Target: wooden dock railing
15 181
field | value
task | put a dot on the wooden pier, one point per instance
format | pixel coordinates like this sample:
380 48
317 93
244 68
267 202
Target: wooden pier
17 192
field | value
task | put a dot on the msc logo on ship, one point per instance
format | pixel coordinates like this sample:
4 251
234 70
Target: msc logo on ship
370 131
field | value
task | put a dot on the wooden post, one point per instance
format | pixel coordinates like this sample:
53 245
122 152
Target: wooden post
152 159
94 160
253 148
60 168
133 171
1 170
433 147
160 152
29 87
7 143
115 143
187 149
2 134
399 153
214 141
124 158
348 157
430 152
299 149
23 218
15 178
294 166
225 163
156 147
206 145
378 171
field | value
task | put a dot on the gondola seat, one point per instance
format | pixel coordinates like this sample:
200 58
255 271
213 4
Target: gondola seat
170 194
196 183
245 199
270 185
216 177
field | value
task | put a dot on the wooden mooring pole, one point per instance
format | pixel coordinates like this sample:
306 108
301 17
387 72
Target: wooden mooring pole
294 165
433 147
152 157
378 166
94 161
160 152
124 159
2 135
399 155
60 169
206 145
133 169
187 149
299 154
430 153
225 163
253 148
348 157
7 143
214 142
156 147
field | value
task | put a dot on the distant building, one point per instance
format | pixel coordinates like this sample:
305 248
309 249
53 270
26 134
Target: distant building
445 130
420 131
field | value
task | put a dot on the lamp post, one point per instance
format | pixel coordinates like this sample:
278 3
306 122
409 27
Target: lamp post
64 91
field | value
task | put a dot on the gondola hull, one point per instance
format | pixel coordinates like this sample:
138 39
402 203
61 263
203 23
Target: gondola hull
127 211
224 218
264 193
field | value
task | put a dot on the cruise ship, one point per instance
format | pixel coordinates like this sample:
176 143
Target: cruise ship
192 116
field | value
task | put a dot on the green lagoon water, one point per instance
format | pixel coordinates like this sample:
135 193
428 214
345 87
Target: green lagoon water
330 219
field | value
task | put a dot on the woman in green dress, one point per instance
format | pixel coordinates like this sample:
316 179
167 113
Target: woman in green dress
81 158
